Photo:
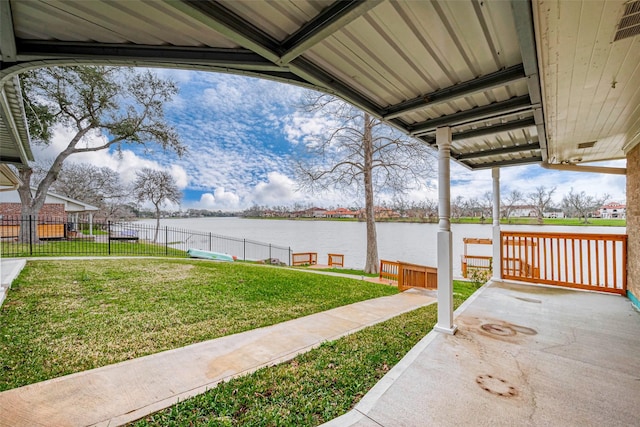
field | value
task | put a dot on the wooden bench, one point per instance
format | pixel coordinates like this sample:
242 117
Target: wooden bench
335 260
304 258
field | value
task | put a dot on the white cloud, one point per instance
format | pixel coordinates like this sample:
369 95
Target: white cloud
179 175
278 189
125 162
207 201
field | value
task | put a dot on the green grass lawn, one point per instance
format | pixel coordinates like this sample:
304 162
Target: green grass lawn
62 317
314 387
86 248
351 271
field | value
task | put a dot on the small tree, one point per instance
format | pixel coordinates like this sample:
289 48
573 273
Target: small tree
541 200
581 205
359 151
157 187
103 106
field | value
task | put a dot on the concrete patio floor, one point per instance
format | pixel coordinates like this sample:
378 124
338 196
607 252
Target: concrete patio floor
523 355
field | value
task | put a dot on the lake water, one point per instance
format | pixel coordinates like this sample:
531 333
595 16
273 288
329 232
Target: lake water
415 243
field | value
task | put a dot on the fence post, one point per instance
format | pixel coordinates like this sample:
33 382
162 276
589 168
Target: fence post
289 257
166 241
210 238
109 237
30 234
244 249
269 251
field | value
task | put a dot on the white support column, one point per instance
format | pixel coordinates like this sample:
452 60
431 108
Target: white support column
497 262
445 254
90 223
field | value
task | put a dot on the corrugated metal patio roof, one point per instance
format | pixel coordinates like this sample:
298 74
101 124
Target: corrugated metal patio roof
471 65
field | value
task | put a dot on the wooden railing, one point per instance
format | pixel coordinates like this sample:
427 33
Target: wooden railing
476 262
304 258
335 260
409 275
416 276
389 270
586 261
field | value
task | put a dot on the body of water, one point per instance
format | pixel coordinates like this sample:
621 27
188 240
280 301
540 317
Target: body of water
415 243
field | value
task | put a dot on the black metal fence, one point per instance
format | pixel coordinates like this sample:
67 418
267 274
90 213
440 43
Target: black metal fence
28 236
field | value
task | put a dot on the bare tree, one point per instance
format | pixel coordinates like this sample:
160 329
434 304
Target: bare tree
540 199
103 106
458 207
157 187
485 203
510 201
581 205
89 183
361 152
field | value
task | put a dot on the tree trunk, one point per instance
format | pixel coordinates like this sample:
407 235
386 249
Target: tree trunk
29 209
32 204
155 237
371 265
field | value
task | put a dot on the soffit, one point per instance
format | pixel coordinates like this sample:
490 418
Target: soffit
591 84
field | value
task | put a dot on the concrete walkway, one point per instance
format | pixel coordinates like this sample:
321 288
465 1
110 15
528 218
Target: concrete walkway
523 356
9 270
116 394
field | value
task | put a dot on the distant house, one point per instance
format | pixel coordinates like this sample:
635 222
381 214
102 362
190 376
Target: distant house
553 213
613 210
523 211
309 213
341 213
379 213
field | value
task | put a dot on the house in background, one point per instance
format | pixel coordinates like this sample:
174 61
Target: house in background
522 211
553 213
59 212
613 210
341 213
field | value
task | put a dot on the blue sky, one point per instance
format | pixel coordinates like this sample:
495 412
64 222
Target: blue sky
241 133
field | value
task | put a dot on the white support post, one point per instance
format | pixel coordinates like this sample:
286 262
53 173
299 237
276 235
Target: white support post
90 223
497 262
445 254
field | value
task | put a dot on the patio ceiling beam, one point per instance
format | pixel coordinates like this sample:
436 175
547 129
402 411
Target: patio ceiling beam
482 83
318 77
494 129
511 162
497 109
7 36
227 23
488 130
523 18
330 20
498 151
233 58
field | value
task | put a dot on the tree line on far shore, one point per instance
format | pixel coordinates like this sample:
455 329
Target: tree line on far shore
514 203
